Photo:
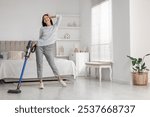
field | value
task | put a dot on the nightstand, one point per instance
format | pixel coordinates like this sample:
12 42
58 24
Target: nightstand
80 59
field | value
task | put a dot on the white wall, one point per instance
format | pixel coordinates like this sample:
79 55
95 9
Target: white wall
21 19
95 2
121 35
121 40
140 28
85 21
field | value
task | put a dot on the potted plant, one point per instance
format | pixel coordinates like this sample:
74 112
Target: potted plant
140 71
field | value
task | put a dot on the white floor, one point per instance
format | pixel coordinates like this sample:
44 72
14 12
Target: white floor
79 89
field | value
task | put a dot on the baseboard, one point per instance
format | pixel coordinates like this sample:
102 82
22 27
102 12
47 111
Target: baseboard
15 80
121 82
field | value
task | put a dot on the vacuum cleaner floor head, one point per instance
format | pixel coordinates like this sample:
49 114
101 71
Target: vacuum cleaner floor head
14 91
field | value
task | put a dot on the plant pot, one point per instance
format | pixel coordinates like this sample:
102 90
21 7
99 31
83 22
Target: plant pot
140 78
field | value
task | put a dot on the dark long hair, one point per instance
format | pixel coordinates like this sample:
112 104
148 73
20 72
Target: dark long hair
44 24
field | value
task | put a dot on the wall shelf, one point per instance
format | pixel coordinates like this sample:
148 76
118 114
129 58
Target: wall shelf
68 40
70 15
69 28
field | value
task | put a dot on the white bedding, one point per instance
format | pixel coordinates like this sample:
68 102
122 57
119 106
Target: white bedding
12 68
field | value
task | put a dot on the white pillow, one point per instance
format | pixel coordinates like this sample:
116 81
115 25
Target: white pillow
15 55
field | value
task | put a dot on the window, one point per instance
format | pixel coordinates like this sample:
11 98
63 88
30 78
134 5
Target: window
101 46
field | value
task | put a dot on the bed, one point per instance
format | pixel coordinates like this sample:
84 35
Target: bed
11 64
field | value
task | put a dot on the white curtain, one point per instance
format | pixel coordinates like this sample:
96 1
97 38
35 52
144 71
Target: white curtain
101 47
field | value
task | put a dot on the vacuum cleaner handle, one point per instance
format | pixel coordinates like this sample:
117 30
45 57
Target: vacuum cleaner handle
28 49
33 48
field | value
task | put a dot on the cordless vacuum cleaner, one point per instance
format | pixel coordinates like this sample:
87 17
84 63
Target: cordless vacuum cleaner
29 48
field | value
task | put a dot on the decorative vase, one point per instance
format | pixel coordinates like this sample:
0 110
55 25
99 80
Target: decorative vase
76 50
61 50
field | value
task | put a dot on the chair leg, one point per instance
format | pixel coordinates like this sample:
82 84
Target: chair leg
96 72
87 71
110 69
100 74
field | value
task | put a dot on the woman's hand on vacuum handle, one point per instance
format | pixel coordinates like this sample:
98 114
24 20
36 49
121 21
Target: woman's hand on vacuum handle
34 44
33 47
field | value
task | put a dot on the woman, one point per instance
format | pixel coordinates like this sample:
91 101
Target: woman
46 46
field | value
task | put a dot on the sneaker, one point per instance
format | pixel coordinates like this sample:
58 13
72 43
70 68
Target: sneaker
41 85
63 83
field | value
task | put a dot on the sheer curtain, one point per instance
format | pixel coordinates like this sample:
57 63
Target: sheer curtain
101 46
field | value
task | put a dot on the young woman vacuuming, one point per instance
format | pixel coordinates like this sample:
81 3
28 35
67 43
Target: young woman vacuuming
46 46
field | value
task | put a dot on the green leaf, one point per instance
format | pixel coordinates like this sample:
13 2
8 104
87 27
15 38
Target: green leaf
147 69
143 66
134 69
138 69
131 58
147 54
139 60
133 63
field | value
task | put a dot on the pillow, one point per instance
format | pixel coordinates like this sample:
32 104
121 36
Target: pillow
5 55
15 55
